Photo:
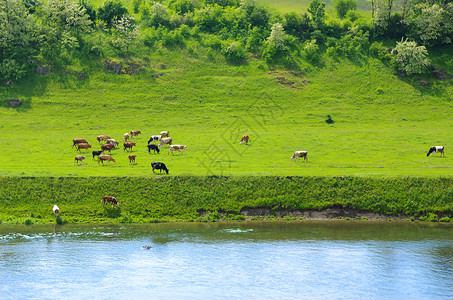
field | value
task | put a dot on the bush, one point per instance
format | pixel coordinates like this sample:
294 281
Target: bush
111 10
329 120
311 50
410 58
234 52
343 6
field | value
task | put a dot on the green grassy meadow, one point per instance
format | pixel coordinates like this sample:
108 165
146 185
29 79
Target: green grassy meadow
384 124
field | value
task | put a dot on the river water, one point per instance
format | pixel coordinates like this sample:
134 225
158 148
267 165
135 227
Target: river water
246 260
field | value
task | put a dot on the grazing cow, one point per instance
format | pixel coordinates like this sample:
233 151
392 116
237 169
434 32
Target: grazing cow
102 138
135 133
153 147
436 149
56 211
96 153
159 166
112 142
245 138
108 158
177 148
107 147
83 146
79 158
132 158
78 141
165 141
110 199
155 138
128 145
126 137
164 133
298 154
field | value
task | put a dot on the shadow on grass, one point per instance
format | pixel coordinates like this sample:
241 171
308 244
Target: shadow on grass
112 212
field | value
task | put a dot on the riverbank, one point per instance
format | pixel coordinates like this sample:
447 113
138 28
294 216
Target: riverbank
214 198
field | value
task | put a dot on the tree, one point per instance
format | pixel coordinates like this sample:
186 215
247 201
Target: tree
125 34
317 9
410 58
343 6
111 10
17 38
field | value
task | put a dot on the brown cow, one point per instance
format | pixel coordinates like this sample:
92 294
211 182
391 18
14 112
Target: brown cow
78 141
83 146
132 158
135 133
176 148
102 138
108 158
79 158
128 145
164 133
109 199
165 141
245 138
107 147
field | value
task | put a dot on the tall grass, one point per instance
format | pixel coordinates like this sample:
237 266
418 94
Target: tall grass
147 199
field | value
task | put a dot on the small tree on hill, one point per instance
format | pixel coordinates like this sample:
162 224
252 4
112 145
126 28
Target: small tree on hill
410 58
343 6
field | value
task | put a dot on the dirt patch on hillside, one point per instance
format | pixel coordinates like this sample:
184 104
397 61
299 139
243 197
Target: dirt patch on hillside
325 214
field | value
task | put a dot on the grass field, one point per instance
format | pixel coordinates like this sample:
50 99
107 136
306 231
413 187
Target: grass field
384 125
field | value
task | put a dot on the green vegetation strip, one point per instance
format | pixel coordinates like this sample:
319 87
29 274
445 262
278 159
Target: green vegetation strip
211 198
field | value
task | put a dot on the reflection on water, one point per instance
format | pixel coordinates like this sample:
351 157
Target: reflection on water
296 260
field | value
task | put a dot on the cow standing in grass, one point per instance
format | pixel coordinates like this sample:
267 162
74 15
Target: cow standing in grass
298 154
436 149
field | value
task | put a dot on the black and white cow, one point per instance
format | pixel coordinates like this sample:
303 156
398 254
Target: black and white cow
436 149
155 138
159 166
153 147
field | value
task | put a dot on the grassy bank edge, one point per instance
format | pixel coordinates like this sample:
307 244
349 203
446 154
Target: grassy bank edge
29 200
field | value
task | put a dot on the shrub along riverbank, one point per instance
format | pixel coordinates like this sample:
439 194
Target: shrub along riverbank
212 198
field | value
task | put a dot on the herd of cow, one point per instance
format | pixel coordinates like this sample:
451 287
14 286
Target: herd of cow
108 144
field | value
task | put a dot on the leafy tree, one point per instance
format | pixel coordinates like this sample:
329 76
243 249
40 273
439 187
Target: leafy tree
297 24
90 11
410 58
343 6
182 7
258 16
111 10
125 34
317 9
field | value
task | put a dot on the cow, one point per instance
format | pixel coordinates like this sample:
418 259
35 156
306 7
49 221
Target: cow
102 138
79 158
165 141
164 133
245 138
78 141
126 137
56 211
153 147
108 158
298 154
83 146
107 147
176 148
159 166
96 153
135 133
436 149
128 145
112 142
110 199
132 158
155 138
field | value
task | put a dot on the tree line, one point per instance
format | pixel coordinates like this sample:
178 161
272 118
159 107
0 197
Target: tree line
58 31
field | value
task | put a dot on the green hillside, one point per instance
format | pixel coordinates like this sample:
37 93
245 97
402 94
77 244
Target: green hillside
182 79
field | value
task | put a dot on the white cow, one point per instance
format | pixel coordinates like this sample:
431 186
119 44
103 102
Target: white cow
56 211
165 141
164 133
126 136
298 154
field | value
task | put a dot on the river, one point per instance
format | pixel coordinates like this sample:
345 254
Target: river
243 260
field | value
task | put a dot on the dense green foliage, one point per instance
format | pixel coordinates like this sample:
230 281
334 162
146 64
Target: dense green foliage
209 198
